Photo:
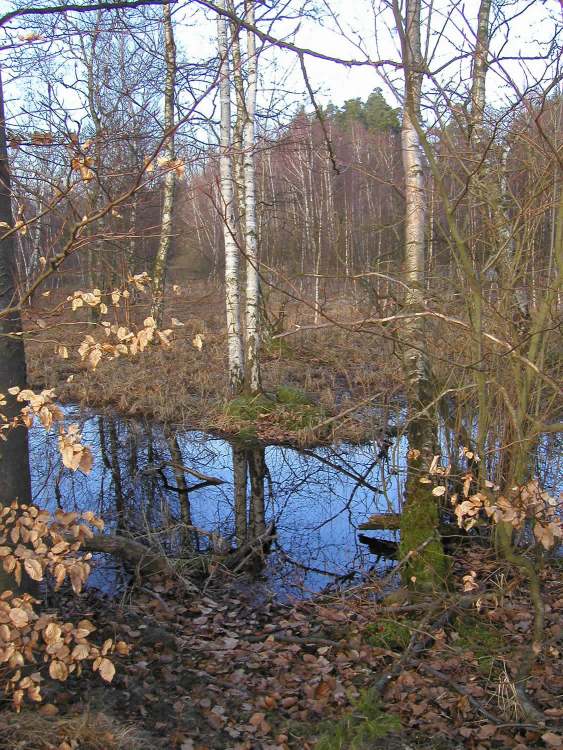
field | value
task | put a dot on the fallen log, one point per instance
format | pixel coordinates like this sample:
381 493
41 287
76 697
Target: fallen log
144 559
148 562
392 522
380 547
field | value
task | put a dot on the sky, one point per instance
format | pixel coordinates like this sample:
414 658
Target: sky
357 29
354 27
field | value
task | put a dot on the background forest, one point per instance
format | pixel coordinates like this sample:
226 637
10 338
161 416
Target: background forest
274 274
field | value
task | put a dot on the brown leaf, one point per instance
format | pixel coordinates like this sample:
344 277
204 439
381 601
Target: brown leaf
58 670
486 731
33 569
49 709
19 617
106 670
552 740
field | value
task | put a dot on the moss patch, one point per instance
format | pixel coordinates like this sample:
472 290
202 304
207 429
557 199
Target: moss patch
249 408
483 639
361 728
278 348
287 394
290 410
427 569
389 634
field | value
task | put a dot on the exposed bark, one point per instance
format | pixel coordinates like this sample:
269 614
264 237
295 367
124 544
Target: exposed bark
15 481
166 225
142 557
253 379
232 263
480 65
420 516
238 128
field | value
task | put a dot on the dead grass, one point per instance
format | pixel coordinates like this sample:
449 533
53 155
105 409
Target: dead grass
85 731
187 387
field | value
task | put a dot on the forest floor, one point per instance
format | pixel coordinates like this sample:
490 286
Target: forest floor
338 372
217 671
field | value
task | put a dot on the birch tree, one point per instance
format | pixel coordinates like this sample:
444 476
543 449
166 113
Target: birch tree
166 226
419 520
227 193
253 380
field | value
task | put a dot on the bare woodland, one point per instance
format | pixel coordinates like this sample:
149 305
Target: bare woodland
227 284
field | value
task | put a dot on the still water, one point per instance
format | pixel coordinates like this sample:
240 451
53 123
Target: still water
317 497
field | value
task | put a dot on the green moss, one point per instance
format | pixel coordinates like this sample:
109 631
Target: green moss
291 409
389 634
427 569
358 730
483 639
249 408
287 394
247 434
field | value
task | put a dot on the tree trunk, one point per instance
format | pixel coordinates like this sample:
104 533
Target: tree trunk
253 380
232 272
257 471
161 259
240 477
420 514
480 65
15 481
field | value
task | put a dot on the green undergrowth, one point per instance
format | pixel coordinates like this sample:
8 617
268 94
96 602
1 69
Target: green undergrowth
485 640
289 408
360 729
389 634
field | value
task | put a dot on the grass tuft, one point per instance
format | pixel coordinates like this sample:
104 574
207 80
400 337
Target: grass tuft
358 730
90 730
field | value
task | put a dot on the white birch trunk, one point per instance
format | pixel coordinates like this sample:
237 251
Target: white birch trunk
161 259
237 145
480 65
253 379
420 515
232 282
417 367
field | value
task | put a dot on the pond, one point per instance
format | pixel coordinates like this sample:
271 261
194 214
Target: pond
317 498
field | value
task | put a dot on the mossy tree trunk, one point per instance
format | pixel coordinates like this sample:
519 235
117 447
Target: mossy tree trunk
420 514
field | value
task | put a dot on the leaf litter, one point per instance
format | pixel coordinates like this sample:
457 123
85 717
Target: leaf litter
219 671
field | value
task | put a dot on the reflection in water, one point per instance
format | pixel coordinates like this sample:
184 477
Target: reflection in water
151 482
171 487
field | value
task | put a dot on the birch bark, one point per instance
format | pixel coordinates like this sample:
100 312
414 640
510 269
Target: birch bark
232 265
252 313
419 519
166 225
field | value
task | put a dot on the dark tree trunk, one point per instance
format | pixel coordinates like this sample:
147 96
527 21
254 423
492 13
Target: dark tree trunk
15 481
